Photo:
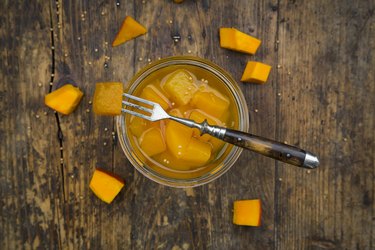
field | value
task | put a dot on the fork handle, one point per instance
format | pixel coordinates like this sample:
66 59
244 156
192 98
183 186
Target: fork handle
276 150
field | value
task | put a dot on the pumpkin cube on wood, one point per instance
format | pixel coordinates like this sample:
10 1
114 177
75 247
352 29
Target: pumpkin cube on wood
64 100
130 29
256 72
105 185
108 98
231 38
247 212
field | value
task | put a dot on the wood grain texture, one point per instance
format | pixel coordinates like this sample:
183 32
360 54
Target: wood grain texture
321 99
327 106
30 177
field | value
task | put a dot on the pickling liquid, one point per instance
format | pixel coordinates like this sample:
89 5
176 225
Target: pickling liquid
172 149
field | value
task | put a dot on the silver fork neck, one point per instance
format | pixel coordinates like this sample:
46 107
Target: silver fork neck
187 122
203 127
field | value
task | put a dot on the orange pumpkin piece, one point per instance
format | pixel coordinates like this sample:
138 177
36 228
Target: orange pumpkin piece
167 159
152 142
138 125
247 212
105 185
151 93
231 38
256 72
130 29
175 112
199 116
108 98
216 144
210 102
177 137
181 86
64 100
197 152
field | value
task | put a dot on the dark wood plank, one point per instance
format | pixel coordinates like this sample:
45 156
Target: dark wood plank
327 106
84 55
29 173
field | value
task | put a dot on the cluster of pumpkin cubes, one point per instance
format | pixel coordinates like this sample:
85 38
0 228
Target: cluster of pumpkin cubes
233 39
179 146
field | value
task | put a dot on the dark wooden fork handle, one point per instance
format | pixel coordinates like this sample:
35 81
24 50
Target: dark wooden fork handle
279 151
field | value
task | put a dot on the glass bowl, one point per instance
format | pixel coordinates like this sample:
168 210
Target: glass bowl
227 156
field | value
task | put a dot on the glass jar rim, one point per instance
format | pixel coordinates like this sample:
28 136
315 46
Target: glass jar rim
241 107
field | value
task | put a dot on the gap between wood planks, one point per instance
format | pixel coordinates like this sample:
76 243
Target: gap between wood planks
277 134
60 135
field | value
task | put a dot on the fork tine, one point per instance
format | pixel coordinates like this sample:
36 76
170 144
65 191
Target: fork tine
136 114
137 106
138 99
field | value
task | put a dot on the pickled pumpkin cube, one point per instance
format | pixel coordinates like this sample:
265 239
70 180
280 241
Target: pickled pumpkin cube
138 125
216 144
210 102
64 100
130 29
175 112
108 98
167 159
177 137
152 142
197 152
180 85
199 116
256 72
105 185
247 212
151 93
234 39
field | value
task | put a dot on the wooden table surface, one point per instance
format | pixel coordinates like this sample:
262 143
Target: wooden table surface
320 96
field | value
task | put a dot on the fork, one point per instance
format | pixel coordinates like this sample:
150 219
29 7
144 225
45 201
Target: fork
276 150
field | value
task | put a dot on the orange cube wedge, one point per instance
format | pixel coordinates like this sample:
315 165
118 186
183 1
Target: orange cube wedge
199 116
256 72
108 98
216 144
130 29
105 185
234 39
152 142
151 93
64 100
138 125
210 102
247 212
177 137
175 112
197 152
181 86
168 160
